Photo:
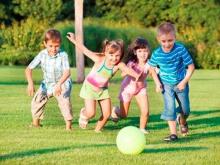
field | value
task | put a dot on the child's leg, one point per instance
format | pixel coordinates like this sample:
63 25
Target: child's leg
182 98
65 106
105 106
169 113
37 107
172 126
124 108
90 108
184 109
87 113
142 101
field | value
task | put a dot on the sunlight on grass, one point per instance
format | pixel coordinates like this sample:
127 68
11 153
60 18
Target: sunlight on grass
51 144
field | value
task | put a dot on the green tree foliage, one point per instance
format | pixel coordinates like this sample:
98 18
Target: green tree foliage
38 9
21 41
197 22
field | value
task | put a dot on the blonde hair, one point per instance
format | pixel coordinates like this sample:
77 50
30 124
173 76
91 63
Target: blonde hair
166 28
113 46
52 34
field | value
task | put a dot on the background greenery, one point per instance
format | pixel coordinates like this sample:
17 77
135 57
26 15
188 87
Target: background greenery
23 23
51 144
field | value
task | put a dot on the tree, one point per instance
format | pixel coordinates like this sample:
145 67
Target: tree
79 37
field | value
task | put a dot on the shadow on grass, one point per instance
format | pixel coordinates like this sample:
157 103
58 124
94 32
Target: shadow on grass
204 112
202 135
134 121
173 149
48 150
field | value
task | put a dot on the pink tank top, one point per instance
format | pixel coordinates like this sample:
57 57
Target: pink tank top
130 81
100 77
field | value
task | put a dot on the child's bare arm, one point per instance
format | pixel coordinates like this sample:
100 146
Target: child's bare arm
30 87
156 79
189 73
92 55
65 76
128 71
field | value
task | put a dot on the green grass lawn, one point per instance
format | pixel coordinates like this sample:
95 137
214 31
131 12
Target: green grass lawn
51 144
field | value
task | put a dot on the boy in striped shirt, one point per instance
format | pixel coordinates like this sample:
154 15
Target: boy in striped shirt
175 67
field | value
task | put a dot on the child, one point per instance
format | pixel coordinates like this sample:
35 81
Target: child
95 86
138 54
175 70
56 72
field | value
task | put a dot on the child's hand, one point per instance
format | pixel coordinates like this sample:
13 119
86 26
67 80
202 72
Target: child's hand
158 88
57 89
30 89
123 74
71 37
181 85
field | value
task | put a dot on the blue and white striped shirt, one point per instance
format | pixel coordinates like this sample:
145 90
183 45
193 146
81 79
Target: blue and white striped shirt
52 67
172 65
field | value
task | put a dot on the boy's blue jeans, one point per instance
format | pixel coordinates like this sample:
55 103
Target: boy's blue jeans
171 94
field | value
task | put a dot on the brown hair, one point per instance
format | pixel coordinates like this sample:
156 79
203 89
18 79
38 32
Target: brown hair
165 28
138 43
52 34
113 46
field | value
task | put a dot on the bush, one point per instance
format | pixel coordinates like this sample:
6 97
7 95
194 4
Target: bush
21 41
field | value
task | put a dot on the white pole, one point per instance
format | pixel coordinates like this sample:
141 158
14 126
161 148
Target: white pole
79 37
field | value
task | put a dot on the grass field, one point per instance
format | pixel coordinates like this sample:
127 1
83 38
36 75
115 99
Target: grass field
51 144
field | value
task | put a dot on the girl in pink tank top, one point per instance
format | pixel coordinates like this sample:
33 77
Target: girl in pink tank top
138 55
95 86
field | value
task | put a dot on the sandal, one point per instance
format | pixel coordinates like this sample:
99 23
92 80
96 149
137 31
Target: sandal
83 120
184 129
114 117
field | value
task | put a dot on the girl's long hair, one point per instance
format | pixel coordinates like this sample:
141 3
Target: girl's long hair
138 43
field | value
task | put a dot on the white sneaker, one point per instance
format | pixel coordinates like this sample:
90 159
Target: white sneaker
144 131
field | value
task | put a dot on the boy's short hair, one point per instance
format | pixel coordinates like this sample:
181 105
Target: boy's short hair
166 28
52 34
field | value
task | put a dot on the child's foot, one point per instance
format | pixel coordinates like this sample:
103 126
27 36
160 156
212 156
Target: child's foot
83 120
171 138
184 129
35 126
68 125
98 131
114 117
144 131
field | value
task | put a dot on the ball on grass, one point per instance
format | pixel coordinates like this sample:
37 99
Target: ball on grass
130 140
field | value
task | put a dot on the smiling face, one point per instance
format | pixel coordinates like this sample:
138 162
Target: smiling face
142 54
52 47
167 41
113 58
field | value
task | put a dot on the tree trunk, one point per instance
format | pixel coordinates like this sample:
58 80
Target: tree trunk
79 37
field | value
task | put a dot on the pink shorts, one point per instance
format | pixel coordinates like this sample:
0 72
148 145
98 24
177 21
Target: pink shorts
128 92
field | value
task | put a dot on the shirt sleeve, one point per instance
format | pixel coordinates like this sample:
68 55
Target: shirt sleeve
35 62
65 63
153 60
187 59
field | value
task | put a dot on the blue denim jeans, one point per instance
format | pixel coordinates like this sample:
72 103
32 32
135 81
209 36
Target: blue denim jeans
171 95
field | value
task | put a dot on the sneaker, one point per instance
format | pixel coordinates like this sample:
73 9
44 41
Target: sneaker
144 131
184 129
171 138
